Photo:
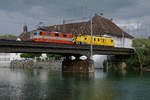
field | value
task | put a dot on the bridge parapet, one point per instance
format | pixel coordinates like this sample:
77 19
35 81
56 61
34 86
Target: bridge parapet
34 47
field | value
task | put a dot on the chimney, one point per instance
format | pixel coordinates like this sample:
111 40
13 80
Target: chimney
101 14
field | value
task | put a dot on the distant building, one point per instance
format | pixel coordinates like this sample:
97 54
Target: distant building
25 29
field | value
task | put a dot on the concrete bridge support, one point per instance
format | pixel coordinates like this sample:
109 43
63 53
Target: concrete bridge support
77 65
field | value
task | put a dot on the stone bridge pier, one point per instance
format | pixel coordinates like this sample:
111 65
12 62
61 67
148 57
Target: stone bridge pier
77 65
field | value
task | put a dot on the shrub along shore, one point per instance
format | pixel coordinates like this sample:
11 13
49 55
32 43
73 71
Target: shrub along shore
141 58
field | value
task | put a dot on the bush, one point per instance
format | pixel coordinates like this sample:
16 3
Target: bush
141 58
133 61
30 55
56 56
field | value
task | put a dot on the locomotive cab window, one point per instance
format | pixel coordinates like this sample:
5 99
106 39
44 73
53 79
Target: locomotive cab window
49 34
111 40
98 39
40 33
64 35
94 39
56 35
85 38
35 33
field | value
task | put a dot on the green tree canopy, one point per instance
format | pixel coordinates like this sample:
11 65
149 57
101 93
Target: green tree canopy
9 37
141 57
57 56
30 55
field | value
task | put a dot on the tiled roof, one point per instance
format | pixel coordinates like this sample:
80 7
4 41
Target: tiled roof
100 24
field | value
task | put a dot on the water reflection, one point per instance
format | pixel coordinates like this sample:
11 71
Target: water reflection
38 84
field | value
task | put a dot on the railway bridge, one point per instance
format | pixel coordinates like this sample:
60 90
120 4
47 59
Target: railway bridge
7 46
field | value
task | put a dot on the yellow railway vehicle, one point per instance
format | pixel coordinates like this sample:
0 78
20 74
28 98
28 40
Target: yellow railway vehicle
96 40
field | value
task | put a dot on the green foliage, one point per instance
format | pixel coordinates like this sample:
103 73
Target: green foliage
9 36
141 58
30 55
54 55
105 63
133 61
141 42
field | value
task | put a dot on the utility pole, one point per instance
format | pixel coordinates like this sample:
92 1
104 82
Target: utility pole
122 39
91 38
91 28
64 22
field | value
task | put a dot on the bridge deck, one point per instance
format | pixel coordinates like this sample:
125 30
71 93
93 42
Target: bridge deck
28 46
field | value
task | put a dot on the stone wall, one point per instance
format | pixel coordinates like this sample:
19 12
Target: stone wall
82 66
51 64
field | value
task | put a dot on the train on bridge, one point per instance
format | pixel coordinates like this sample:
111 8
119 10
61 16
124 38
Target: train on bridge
58 37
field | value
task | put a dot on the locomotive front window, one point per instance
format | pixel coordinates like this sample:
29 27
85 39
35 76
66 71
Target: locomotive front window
49 34
85 38
111 40
64 35
57 35
35 33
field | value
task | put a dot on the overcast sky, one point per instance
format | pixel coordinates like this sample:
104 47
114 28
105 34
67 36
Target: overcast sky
15 13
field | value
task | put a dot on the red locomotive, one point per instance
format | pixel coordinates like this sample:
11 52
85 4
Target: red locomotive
54 37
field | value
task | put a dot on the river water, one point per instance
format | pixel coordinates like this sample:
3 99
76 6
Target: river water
43 84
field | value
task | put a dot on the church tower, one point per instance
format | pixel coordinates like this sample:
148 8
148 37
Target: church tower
25 29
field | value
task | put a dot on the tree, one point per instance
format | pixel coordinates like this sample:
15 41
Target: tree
133 61
30 55
142 50
9 37
57 56
141 56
